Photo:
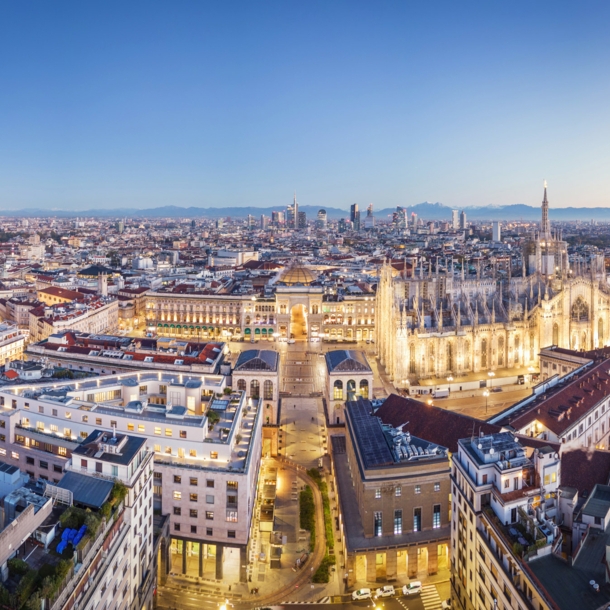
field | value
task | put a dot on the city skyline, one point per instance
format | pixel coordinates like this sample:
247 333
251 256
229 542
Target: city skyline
392 104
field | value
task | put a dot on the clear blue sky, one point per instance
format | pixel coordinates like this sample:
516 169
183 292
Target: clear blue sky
141 104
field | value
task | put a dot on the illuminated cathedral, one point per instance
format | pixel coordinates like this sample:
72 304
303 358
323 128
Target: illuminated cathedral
443 322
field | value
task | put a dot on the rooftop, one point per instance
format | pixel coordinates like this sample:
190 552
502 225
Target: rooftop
347 361
257 360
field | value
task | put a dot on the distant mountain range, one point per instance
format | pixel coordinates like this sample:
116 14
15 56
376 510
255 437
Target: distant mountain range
426 210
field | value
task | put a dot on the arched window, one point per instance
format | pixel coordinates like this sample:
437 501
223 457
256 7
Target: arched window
531 346
364 388
600 333
247 319
517 350
314 309
412 359
556 334
467 355
351 389
501 351
255 388
484 353
338 390
268 390
241 385
449 357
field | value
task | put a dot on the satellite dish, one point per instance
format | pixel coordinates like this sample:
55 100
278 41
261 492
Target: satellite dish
480 446
491 450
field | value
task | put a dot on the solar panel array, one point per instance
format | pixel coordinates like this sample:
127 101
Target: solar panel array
369 435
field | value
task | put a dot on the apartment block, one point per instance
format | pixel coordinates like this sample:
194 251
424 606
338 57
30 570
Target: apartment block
206 446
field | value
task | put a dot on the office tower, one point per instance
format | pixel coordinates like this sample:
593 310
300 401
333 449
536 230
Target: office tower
322 221
343 225
455 219
369 221
292 214
399 218
413 220
495 231
354 216
301 220
264 222
463 224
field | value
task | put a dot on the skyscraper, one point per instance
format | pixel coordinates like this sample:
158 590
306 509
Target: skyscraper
455 220
354 216
462 219
292 214
301 220
322 221
496 231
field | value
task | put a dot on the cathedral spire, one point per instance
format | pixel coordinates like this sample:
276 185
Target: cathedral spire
545 227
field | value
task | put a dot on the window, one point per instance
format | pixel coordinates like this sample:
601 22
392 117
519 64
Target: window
209 499
54 428
418 489
209 483
417 519
40 409
98 421
177 527
231 534
209 531
177 495
437 487
113 423
506 483
209 515
83 464
214 455
398 491
157 431
193 513
193 453
29 460
141 428
436 516
168 431
193 529
193 497
232 516
378 493
115 471
397 522
182 433
14 455
193 480
177 510
56 468
44 465
131 427
377 523
85 418
177 479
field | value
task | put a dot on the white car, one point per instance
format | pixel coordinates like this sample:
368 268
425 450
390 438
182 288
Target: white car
386 591
361 594
412 588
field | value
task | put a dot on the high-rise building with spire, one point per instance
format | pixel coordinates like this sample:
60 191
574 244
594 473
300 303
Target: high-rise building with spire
292 214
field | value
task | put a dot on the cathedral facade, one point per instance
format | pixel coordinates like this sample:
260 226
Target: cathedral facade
437 321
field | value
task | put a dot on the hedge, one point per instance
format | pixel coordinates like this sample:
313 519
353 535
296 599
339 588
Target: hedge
307 514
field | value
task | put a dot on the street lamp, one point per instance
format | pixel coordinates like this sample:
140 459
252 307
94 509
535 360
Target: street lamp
491 378
486 394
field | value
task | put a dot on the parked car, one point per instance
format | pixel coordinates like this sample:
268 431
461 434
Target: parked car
361 594
412 588
386 591
446 605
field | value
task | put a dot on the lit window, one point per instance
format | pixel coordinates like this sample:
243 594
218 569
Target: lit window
398 491
141 428
168 431
85 418
157 431
157 448
68 415
209 515
214 455
232 516
14 455
54 428
130 427
436 516
193 453
418 489
378 493
437 487
177 495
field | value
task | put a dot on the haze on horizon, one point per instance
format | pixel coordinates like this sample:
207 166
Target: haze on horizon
145 104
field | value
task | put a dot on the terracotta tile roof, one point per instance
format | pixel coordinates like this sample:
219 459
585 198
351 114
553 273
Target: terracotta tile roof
558 408
584 469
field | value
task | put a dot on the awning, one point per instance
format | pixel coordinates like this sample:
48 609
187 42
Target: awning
247 331
271 331
257 331
264 331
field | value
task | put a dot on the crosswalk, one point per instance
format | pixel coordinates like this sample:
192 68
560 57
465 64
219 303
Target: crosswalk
430 598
